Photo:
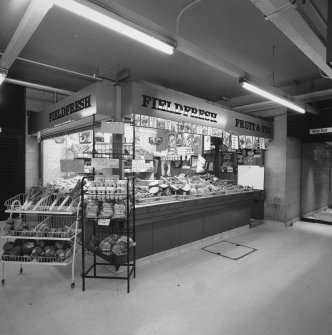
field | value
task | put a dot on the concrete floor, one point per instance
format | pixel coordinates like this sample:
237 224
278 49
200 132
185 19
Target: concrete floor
283 288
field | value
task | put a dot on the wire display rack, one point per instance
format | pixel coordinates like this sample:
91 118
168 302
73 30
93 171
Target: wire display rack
110 241
39 237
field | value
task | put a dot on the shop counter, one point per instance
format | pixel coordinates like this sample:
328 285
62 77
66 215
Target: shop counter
164 226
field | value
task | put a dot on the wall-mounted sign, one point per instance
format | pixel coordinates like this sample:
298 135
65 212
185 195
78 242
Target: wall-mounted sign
95 99
159 102
320 131
72 165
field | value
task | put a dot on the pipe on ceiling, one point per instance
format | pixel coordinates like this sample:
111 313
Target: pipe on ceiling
37 86
94 77
185 8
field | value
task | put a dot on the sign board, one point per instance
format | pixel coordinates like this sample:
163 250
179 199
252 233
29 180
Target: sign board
104 163
72 165
252 176
320 131
97 98
159 102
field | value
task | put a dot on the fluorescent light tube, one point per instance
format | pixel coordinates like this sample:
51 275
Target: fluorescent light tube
270 96
3 76
122 28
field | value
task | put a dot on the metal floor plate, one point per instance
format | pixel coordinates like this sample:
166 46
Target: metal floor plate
229 249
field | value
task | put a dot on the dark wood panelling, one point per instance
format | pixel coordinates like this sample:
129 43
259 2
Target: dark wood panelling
191 228
235 218
212 222
144 240
166 234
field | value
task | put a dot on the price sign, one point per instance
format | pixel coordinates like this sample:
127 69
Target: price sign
103 222
72 165
104 163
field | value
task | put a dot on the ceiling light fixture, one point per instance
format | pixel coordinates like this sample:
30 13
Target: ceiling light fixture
3 75
271 96
112 23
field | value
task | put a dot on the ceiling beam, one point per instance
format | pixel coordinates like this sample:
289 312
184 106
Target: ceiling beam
294 26
31 19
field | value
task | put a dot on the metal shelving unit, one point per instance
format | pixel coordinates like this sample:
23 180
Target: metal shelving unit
45 228
113 231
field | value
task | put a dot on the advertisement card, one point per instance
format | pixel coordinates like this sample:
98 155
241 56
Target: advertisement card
196 140
194 129
255 142
187 128
226 141
137 120
168 125
199 130
242 141
153 122
175 126
181 127
235 142
144 121
205 130
248 142
187 140
209 130
160 123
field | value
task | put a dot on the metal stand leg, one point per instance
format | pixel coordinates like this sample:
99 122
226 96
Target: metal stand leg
3 273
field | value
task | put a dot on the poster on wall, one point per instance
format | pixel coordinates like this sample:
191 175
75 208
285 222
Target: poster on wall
248 142
168 125
196 139
205 130
85 136
261 143
194 128
255 142
199 130
181 127
144 121
187 128
179 140
171 141
215 132
175 126
227 138
137 120
242 141
152 122
235 142
160 123
209 131
187 140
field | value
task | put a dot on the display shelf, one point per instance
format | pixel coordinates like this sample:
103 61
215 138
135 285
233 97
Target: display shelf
110 239
18 211
40 230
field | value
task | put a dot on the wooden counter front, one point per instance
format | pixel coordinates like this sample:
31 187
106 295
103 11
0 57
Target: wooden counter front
165 226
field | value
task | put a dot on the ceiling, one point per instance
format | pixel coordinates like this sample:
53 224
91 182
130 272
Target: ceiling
280 44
